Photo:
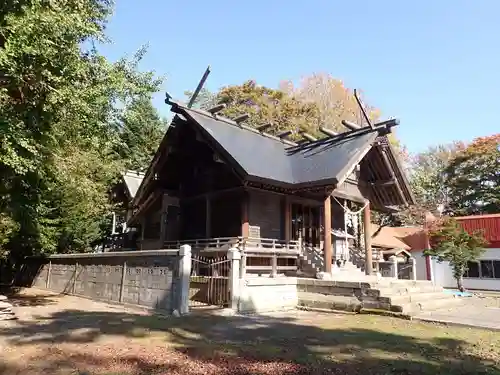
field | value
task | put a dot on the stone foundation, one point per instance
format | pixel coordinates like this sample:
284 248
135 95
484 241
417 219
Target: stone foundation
264 294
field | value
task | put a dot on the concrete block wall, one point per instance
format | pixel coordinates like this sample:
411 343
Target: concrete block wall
145 278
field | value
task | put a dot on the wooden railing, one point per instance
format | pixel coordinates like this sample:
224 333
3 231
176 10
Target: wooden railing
269 252
243 243
205 244
259 255
266 245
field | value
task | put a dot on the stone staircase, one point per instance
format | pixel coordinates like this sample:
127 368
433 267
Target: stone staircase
400 296
311 260
411 297
350 289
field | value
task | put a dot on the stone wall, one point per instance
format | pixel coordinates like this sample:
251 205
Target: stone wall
145 278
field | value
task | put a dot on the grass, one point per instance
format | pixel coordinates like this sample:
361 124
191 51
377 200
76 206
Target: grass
65 340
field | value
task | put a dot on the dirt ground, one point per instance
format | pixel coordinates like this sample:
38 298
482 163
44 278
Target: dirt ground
70 335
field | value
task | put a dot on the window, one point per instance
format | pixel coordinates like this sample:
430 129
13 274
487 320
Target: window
484 269
496 268
473 270
487 269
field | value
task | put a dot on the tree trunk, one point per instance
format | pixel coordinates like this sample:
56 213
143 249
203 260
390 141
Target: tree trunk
460 283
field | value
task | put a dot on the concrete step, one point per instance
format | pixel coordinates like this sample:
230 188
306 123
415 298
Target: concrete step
429 305
330 302
417 297
404 291
391 282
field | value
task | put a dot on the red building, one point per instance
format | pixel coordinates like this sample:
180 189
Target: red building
489 225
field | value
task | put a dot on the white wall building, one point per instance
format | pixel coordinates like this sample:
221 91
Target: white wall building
483 274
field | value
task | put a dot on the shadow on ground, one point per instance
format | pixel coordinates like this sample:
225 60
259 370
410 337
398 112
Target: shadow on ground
208 343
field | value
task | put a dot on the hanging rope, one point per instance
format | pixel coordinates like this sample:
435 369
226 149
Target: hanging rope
346 209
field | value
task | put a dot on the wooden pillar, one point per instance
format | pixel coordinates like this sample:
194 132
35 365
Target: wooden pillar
368 240
245 226
208 218
288 220
327 212
309 223
143 224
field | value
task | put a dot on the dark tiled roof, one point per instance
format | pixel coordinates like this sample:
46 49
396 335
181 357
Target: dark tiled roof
265 158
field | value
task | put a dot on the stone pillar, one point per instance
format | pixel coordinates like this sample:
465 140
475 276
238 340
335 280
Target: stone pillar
413 263
328 251
243 265
234 256
49 271
394 266
274 265
184 275
368 239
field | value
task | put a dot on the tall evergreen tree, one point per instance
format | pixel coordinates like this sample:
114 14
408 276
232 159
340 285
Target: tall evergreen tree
141 130
58 104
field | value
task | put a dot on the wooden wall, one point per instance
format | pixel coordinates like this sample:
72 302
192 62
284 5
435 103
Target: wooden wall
265 211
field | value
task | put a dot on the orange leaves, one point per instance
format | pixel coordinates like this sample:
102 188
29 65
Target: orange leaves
484 145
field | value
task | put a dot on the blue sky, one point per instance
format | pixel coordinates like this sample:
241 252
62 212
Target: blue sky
432 64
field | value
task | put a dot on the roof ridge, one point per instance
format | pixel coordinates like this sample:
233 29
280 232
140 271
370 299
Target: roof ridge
234 123
381 129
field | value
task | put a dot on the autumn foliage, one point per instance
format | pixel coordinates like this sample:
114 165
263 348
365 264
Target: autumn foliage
451 243
473 178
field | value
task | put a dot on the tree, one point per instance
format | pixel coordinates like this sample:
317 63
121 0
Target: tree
473 178
59 103
451 243
204 100
335 102
140 130
264 105
426 172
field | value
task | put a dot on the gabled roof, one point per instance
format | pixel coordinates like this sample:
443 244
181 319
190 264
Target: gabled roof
389 237
262 158
132 181
258 157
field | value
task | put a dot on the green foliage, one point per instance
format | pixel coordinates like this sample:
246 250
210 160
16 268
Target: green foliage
427 171
59 109
204 100
473 178
140 130
463 179
264 105
427 176
451 243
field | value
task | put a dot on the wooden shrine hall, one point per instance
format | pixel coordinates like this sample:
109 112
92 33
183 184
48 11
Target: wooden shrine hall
217 183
